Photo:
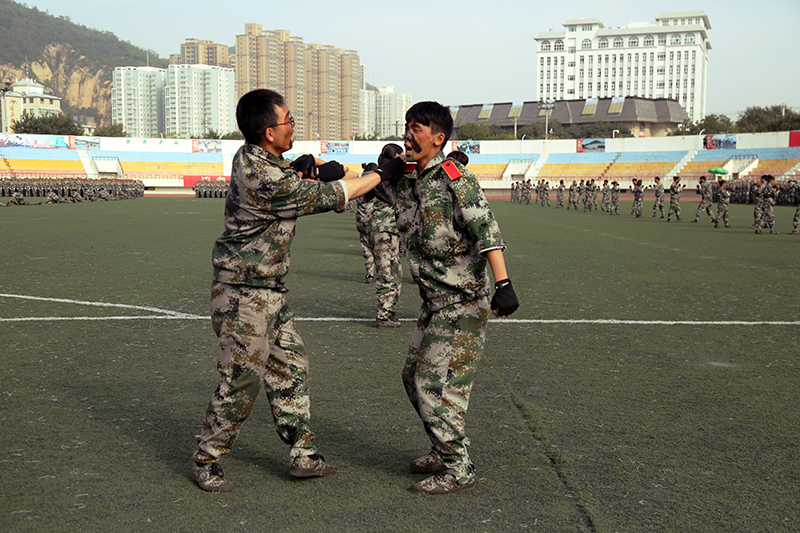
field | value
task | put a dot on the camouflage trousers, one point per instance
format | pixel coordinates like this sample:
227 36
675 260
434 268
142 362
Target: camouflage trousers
767 217
796 219
368 247
674 207
257 343
658 206
722 215
705 206
614 209
757 212
388 272
636 208
604 203
559 201
572 202
439 373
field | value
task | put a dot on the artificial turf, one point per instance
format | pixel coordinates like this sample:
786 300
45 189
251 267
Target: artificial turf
574 426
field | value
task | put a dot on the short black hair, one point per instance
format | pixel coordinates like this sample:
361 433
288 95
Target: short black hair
388 152
459 156
256 112
432 114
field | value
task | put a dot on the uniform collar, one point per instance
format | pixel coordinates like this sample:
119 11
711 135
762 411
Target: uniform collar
437 160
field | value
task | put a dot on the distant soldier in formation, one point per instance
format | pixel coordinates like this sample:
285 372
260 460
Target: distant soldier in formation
638 199
545 194
795 192
675 199
560 195
614 209
768 202
658 206
526 192
513 193
722 205
604 205
18 199
572 200
595 190
588 194
704 188
757 192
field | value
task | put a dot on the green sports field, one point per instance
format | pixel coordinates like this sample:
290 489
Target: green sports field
648 382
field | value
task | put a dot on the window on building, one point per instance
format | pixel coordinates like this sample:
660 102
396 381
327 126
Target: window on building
570 91
545 46
548 60
633 42
571 77
587 27
571 64
586 44
660 85
618 42
662 40
648 40
660 70
603 43
675 39
562 61
559 45
665 23
571 50
541 61
689 38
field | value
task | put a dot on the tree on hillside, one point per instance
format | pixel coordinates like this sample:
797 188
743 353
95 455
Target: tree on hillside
773 118
47 125
114 130
235 135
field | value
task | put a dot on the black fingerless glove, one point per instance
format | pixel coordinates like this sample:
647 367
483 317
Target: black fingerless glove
305 164
391 169
504 299
330 171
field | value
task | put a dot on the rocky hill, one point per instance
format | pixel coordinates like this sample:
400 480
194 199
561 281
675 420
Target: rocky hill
73 61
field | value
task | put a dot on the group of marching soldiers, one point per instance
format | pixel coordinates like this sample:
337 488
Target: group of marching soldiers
205 188
68 190
764 195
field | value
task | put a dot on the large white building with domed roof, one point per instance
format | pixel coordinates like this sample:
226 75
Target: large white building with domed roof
665 58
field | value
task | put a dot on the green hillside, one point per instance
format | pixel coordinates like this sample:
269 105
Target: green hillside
26 31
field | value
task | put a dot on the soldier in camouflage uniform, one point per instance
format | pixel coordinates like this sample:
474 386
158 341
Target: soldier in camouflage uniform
638 199
364 207
614 209
388 269
794 191
256 333
606 193
758 199
572 200
658 206
768 203
705 200
560 195
722 205
675 199
452 234
545 193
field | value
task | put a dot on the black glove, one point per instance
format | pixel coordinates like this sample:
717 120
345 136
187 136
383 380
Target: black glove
330 171
504 299
391 168
305 164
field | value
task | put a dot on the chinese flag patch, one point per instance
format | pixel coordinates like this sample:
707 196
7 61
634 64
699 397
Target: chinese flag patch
451 170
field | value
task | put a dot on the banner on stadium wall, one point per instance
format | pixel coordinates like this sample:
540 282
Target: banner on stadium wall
794 138
468 147
84 143
591 145
35 141
722 141
204 146
190 180
329 147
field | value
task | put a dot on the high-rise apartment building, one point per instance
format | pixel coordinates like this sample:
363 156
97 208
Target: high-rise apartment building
391 111
367 120
199 98
137 100
667 58
202 52
320 83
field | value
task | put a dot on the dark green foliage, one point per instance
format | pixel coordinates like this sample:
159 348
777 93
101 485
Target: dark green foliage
773 118
26 31
708 125
114 130
47 125
235 135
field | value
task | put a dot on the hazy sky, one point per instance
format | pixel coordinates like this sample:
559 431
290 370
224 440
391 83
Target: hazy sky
471 51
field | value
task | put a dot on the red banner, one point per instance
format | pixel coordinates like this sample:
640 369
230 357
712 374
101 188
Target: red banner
794 138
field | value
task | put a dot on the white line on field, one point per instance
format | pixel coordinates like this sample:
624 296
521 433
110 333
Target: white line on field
175 315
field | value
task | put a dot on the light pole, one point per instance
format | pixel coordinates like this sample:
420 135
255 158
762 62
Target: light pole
614 134
548 106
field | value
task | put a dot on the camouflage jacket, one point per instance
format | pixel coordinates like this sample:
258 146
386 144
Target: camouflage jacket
675 192
768 194
658 189
383 217
449 226
724 197
265 198
705 191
